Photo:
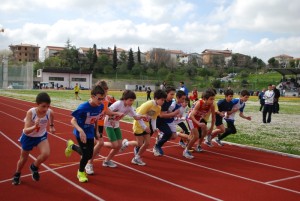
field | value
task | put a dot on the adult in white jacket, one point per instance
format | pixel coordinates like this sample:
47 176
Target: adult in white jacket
268 107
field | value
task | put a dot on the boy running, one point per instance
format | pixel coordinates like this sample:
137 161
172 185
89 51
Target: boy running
224 105
83 121
35 135
238 104
143 129
198 112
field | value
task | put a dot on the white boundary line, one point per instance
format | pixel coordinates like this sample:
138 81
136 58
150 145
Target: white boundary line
56 173
168 182
284 179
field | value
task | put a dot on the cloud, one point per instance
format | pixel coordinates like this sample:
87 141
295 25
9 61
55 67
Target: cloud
266 48
261 16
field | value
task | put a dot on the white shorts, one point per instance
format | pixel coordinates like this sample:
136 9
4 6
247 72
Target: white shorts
172 127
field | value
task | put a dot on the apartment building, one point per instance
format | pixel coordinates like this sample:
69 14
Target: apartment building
25 52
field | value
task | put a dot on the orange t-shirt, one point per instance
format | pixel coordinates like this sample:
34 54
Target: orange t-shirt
102 115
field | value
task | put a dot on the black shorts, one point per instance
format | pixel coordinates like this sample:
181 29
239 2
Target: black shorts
76 92
100 131
219 120
141 134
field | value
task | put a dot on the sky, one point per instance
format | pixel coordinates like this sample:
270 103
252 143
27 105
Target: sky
253 27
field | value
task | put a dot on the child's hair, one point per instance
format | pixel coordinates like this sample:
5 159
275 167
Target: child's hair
169 89
158 94
128 94
187 99
43 97
208 93
179 94
245 93
103 84
228 92
97 90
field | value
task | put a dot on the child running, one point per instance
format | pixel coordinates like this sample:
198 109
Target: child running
35 135
224 105
184 109
124 107
162 123
199 111
238 104
143 129
83 121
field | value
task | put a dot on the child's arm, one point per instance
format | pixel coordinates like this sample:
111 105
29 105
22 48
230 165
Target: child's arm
28 127
245 117
82 134
52 129
213 119
169 115
192 116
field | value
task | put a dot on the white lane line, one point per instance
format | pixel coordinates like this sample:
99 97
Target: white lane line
168 182
284 179
56 173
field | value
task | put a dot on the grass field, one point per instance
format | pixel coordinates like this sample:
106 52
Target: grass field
281 135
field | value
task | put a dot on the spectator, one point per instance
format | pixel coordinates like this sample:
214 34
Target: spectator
276 99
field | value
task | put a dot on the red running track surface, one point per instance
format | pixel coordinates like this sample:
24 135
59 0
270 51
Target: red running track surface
219 173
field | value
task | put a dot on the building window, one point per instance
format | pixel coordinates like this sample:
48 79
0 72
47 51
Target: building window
56 78
25 48
77 79
19 48
25 54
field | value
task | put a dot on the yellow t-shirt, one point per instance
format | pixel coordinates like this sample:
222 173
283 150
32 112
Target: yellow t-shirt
149 108
76 88
207 116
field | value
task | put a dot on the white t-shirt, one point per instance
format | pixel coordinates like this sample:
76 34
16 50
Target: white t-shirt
42 127
118 106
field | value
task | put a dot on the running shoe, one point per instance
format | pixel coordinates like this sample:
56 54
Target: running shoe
109 164
82 176
138 161
219 142
16 179
187 154
89 169
69 150
34 172
124 146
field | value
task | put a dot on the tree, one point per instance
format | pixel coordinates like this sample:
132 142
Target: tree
139 56
292 63
115 58
123 57
273 63
130 63
95 57
216 84
159 56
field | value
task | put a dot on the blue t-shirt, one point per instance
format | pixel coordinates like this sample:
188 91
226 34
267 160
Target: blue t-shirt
86 117
224 106
164 108
174 106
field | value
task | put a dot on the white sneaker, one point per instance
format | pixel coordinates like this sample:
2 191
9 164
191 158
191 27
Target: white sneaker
138 161
187 154
109 164
124 146
89 169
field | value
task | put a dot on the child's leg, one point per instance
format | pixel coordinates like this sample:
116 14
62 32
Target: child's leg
97 147
230 130
220 129
143 142
116 145
115 136
87 152
23 159
45 152
194 136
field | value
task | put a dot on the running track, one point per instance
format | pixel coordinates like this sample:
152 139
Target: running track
219 173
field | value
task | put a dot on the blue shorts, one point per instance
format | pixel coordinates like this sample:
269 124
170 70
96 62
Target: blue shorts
29 142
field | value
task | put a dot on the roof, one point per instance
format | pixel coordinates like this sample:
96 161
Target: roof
287 71
175 51
85 49
283 56
24 45
55 48
66 70
217 51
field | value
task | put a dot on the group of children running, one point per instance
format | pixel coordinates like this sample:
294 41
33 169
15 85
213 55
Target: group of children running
158 117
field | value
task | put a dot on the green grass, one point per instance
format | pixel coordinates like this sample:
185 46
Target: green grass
281 135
